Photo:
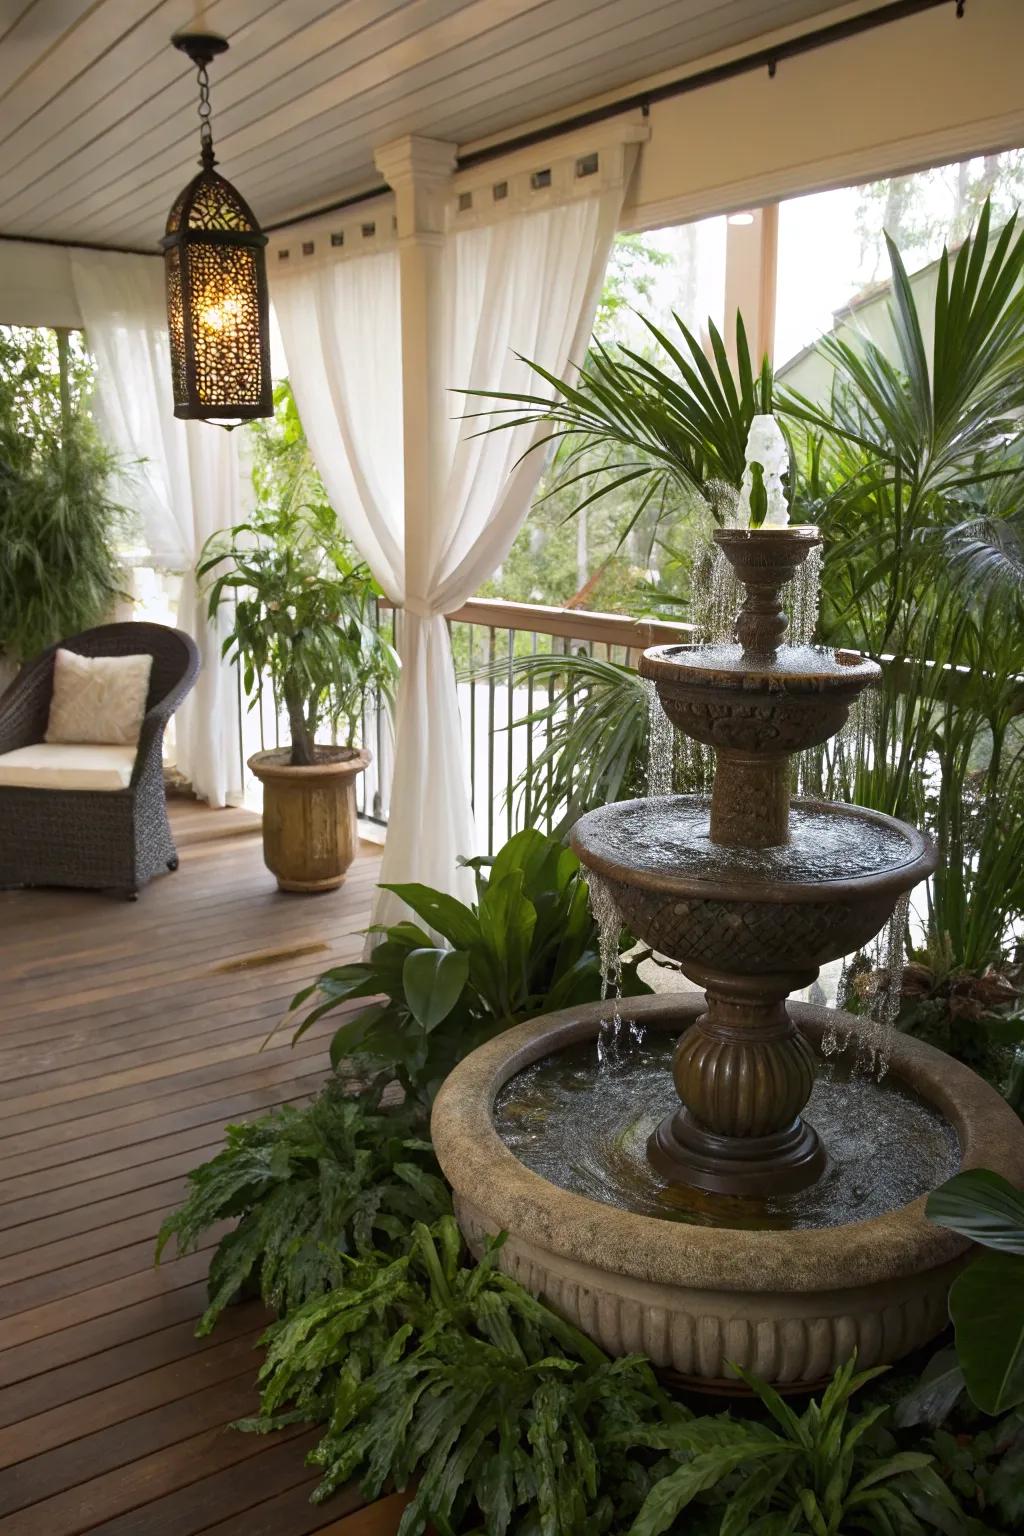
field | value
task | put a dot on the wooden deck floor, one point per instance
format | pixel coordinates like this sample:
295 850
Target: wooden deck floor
129 1035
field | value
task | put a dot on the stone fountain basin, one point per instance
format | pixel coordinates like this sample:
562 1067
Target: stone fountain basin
724 698
790 1305
742 911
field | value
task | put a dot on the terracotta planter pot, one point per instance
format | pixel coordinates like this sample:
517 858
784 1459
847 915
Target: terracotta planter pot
309 816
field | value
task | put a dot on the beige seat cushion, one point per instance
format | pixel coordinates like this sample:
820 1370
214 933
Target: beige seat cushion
54 765
98 698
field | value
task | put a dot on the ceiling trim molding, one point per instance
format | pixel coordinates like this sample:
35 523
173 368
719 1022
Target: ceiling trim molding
875 162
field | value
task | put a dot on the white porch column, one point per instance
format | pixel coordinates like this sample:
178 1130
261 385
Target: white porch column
751 259
419 171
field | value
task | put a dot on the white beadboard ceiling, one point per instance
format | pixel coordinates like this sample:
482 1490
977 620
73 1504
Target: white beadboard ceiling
98 127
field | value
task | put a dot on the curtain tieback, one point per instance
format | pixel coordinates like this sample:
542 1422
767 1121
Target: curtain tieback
421 609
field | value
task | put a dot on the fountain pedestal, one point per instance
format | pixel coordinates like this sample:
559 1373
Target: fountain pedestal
743 1073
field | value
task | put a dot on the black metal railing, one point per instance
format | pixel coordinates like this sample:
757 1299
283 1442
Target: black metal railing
487 636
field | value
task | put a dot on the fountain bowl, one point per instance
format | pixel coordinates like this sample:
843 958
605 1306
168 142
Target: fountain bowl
789 1305
737 703
742 911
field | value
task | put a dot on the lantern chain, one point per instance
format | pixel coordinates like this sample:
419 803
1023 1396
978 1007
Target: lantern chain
205 114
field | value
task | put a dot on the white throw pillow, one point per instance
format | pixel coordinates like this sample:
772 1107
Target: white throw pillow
98 698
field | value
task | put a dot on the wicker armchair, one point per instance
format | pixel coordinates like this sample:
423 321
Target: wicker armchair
99 839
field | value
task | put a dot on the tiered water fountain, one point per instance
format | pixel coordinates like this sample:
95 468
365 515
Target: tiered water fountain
772 1215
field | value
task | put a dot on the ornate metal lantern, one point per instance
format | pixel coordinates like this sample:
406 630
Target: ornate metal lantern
215 264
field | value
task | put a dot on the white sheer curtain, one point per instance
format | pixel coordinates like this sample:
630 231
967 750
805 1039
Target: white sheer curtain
528 285
341 329
184 478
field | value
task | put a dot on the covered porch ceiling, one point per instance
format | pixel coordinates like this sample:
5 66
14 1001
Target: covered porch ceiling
97 111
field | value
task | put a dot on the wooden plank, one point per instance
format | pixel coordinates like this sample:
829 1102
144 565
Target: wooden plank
119 1074
35 1434
226 1493
45 1391
91 1339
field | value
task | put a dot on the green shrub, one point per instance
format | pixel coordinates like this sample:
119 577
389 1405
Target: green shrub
529 945
825 1474
58 518
308 1185
430 1368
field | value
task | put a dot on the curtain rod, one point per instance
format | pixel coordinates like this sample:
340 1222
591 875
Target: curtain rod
749 63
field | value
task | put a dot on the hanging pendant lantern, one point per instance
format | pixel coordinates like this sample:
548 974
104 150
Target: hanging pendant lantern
216 272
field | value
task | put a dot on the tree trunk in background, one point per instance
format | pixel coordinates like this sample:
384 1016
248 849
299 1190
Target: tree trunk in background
64 364
582 555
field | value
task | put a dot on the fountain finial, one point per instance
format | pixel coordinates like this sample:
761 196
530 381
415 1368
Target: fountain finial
762 495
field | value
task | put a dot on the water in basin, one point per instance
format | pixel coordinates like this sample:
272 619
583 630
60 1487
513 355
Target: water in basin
671 835
584 1127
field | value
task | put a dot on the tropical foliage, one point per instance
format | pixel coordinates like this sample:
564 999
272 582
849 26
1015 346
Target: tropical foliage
679 430
528 945
986 1301
342 1176
823 1472
429 1367
59 518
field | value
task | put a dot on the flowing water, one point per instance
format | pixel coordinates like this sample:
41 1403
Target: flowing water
717 596
660 744
586 1129
609 930
802 598
879 988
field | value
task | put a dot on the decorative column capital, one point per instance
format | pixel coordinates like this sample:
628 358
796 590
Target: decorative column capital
419 171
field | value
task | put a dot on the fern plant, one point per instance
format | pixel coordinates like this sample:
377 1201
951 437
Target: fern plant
341 1176
451 1373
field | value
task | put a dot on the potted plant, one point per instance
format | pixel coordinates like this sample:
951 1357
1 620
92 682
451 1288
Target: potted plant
302 609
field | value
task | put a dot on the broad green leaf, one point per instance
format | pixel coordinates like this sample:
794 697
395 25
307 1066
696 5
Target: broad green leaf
446 916
983 1206
433 980
986 1304
932 1398
669 1497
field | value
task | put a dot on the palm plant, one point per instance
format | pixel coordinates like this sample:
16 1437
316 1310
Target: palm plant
677 425
919 462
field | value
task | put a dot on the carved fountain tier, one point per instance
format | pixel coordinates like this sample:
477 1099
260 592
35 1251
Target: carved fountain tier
746 926
751 894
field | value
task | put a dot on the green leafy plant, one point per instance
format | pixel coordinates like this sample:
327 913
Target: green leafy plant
59 518
528 945
341 1176
432 1368
303 615
986 1302
984 1468
825 1474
